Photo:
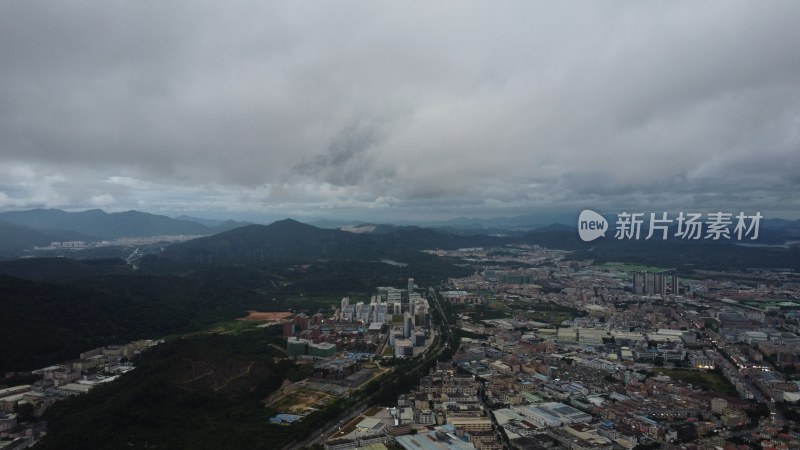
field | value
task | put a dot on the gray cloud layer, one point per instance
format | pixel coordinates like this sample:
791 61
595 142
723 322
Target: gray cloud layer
399 108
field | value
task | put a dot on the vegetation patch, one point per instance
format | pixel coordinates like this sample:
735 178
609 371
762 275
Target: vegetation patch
200 392
626 267
706 380
300 401
266 316
372 411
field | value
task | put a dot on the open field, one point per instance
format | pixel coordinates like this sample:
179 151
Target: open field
552 317
710 381
300 400
372 411
498 305
623 267
265 316
763 303
228 327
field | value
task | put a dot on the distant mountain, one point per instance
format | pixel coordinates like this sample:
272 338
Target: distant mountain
228 225
328 223
209 223
103 225
528 221
669 253
15 239
475 225
781 223
475 230
289 239
369 228
282 240
216 226
555 227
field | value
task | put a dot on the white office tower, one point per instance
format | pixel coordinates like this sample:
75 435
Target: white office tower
348 313
407 325
378 313
393 295
364 312
345 302
358 309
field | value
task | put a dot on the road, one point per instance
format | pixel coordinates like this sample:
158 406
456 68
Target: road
725 357
329 428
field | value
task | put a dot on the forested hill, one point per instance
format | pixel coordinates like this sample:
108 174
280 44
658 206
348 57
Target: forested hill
673 253
65 307
44 323
205 391
289 240
15 239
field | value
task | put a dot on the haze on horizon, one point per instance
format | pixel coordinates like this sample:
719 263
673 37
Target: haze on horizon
399 110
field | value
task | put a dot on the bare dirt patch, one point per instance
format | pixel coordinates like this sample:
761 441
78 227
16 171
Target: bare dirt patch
301 401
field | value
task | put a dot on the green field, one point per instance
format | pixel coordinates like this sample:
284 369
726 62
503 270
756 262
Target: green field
498 305
782 303
623 267
708 381
226 327
546 312
551 317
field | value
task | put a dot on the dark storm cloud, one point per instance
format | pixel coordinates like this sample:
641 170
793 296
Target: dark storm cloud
416 107
346 161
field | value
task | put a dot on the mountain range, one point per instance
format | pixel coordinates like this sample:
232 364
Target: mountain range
22 230
292 240
287 240
15 239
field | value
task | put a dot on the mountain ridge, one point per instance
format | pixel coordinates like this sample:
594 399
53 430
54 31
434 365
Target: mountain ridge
103 225
96 224
289 239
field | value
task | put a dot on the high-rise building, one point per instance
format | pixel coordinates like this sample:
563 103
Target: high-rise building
649 283
638 282
674 282
653 283
659 283
288 328
410 286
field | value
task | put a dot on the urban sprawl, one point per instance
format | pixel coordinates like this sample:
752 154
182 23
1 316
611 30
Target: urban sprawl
552 354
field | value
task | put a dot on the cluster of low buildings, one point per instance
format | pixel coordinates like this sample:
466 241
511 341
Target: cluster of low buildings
644 359
121 242
615 374
445 411
57 382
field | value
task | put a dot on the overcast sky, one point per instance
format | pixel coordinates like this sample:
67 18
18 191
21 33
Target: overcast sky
391 110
